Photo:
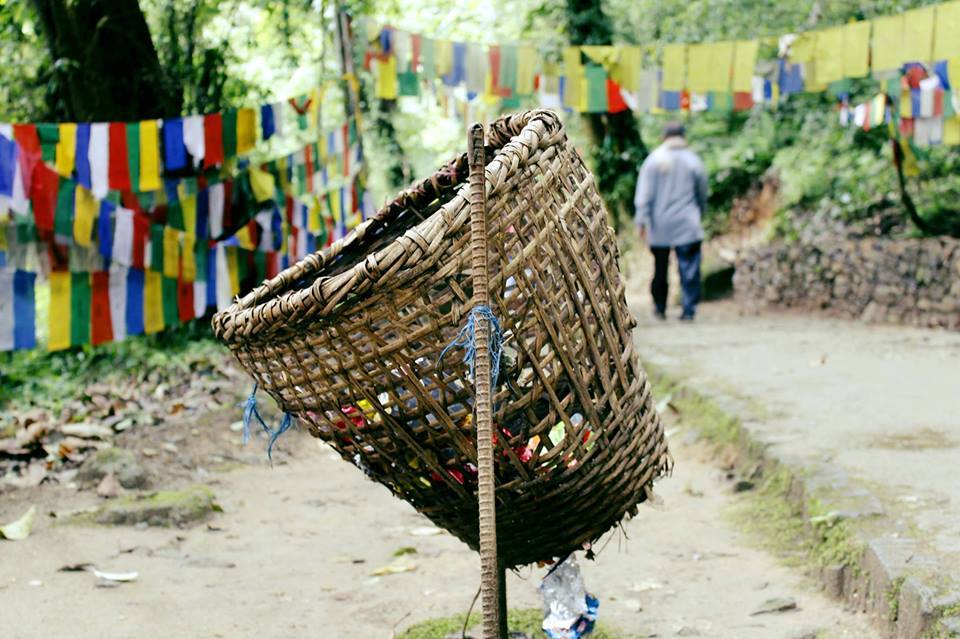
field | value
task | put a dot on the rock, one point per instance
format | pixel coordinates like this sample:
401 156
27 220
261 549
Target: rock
86 430
165 508
743 485
771 606
122 463
688 631
109 487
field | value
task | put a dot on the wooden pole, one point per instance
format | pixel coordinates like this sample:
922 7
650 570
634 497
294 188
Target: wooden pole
489 564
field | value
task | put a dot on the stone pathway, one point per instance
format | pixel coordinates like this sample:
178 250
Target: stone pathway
870 414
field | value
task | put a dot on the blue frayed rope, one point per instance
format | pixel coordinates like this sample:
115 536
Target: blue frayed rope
250 411
467 340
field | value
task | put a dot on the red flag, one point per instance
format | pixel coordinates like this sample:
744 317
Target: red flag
26 136
273 264
118 170
185 300
29 143
141 233
308 161
212 140
742 101
615 103
415 46
43 194
101 324
289 210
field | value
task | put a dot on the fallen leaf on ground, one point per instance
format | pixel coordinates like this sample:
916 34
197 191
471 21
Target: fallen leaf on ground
401 564
19 529
770 606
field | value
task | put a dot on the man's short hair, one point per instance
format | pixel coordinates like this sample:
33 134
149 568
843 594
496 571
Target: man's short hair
674 130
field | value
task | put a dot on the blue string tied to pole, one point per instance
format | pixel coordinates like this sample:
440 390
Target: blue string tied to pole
250 411
467 340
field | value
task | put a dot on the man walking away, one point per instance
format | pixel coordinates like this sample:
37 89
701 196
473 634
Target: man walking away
670 200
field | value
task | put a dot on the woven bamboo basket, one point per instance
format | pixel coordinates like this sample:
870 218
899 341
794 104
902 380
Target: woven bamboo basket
349 341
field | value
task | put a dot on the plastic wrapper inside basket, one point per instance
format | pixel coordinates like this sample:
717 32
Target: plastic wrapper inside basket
349 341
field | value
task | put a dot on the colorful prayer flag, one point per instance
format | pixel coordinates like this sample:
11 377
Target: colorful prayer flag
856 49
59 330
246 130
66 148
85 211
174 149
149 156
98 157
152 302
674 67
744 63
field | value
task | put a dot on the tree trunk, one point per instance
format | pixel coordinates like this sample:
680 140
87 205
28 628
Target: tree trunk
106 66
618 147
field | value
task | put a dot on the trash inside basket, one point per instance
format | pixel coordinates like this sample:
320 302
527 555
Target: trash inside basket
349 341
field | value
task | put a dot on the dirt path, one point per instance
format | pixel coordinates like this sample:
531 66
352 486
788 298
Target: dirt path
293 552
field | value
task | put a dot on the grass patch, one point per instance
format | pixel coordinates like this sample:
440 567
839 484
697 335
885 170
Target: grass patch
696 410
801 533
526 620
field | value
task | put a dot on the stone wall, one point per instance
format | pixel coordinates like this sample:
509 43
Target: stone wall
915 281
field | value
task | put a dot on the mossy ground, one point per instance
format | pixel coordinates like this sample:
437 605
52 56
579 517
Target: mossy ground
802 532
526 620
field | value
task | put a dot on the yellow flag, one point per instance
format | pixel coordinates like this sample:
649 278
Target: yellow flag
171 252
152 302
886 43
189 257
574 95
66 149
699 60
803 48
526 69
85 209
189 206
906 105
951 131
856 49
443 57
828 59
60 311
246 130
918 35
946 32
674 66
386 88
234 270
313 216
149 156
720 69
744 63
627 71
953 73
244 240
263 184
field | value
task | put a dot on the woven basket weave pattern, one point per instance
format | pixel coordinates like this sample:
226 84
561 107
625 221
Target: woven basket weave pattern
349 339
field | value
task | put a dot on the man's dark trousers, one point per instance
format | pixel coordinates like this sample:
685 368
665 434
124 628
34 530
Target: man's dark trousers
688 263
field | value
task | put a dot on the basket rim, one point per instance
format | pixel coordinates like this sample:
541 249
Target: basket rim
271 305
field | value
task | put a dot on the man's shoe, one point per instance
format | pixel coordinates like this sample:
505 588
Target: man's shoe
687 317
660 315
